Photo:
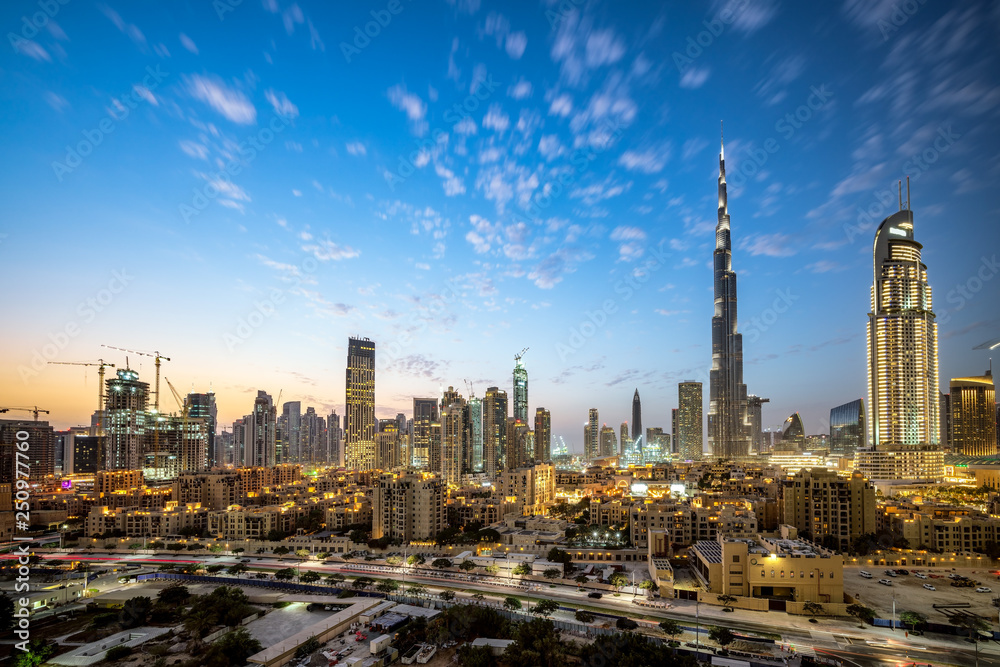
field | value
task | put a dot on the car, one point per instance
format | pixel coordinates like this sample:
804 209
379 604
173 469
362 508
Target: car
929 587
984 589
889 573
935 576
903 572
596 596
885 582
920 576
866 575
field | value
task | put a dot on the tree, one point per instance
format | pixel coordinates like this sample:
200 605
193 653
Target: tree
173 594
287 574
307 647
238 568
309 577
362 583
647 585
212 569
545 607
394 560
387 586
492 569
478 596
156 544
336 578
416 589
618 579
275 535
625 623
135 611
913 619
671 628
727 601
447 596
416 559
467 565
476 656
974 624
862 613
580 579
536 642
441 563
584 616
6 612
721 636
552 573
238 550
280 551
38 652
812 609
511 603
522 570
232 649
215 548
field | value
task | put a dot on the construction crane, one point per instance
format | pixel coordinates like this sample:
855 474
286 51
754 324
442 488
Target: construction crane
472 393
517 357
101 365
33 409
155 355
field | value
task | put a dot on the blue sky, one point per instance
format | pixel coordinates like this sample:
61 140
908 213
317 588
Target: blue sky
244 185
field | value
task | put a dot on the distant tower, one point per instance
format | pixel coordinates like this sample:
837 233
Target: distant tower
625 446
755 422
688 432
637 431
126 420
728 435
359 424
973 416
261 432
543 435
847 428
592 441
494 432
520 388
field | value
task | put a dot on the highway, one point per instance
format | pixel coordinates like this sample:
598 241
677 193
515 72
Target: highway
839 639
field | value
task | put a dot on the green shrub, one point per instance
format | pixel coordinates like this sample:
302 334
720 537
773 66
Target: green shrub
116 653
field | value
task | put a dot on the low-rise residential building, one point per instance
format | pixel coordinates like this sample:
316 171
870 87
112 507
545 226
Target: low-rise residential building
823 504
144 522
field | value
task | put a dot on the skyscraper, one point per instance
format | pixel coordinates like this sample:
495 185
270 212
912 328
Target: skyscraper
520 389
608 445
689 430
592 441
973 416
260 447
755 422
454 437
727 394
847 428
793 433
903 394
290 433
543 435
202 406
359 424
494 431
335 440
425 413
126 420
476 433
625 442
637 432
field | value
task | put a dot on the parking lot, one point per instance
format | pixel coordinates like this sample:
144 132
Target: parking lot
911 595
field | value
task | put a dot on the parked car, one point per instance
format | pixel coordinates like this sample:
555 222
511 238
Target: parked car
885 582
866 575
929 587
595 595
889 573
920 576
935 576
984 589
901 571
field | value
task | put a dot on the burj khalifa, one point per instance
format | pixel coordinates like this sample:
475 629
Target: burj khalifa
728 430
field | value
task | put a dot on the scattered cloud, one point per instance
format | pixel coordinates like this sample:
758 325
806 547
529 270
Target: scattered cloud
224 99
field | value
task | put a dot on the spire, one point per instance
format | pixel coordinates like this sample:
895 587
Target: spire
722 143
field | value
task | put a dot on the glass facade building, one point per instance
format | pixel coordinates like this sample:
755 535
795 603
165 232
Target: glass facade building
847 428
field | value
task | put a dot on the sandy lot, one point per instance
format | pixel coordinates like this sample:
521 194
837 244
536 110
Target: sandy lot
910 594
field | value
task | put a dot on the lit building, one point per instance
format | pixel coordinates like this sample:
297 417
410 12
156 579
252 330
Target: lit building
520 390
903 395
476 433
494 431
592 436
624 441
543 436
359 419
609 445
387 445
847 428
828 507
793 433
519 444
973 416
688 432
202 406
260 432
528 490
335 440
728 432
637 422
755 405
657 447
126 420
289 433
408 506
425 413
41 445
454 438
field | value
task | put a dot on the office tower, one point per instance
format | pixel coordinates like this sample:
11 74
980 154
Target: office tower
674 430
903 398
637 421
793 433
239 442
66 441
202 406
387 445
425 413
359 420
688 433
592 439
335 441
973 416
494 431
476 433
40 452
454 437
625 442
658 446
847 428
260 443
312 434
127 422
519 444
727 394
543 435
520 389
433 460
755 422
834 511
944 420
401 422
224 449
408 506
290 433
608 442
84 454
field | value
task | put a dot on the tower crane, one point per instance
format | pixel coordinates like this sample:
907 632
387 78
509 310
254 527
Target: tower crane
101 365
472 393
155 355
517 357
33 409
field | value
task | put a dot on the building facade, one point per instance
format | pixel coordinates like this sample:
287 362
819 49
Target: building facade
847 428
688 431
408 506
973 416
359 418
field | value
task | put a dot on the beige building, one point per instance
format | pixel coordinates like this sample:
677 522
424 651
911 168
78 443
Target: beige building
973 416
408 506
780 569
146 523
821 502
942 530
683 525
215 490
529 490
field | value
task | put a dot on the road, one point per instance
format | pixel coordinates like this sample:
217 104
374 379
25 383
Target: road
871 647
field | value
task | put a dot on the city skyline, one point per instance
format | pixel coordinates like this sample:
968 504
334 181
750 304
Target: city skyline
292 277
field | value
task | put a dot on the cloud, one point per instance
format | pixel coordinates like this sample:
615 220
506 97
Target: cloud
604 48
769 245
561 106
356 148
188 44
749 16
194 149
56 101
496 119
30 48
550 271
282 105
129 29
229 102
695 77
326 250
411 104
517 42
453 185
520 90
649 161
146 94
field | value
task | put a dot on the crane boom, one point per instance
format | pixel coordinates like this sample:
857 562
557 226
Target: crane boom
101 364
33 409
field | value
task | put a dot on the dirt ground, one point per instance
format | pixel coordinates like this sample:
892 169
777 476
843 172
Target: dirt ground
910 594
